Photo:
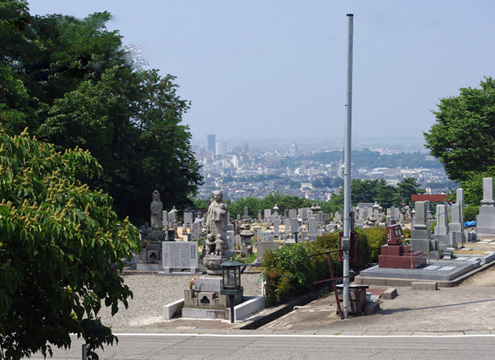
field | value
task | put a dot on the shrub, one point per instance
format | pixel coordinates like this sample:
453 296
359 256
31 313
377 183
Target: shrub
364 250
377 237
289 273
291 270
471 212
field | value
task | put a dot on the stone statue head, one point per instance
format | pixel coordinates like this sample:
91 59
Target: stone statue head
156 195
217 195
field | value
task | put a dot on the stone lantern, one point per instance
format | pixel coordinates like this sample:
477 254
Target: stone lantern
231 286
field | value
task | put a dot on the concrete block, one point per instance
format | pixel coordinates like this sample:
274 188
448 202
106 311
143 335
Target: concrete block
371 308
196 313
423 285
172 309
389 294
250 305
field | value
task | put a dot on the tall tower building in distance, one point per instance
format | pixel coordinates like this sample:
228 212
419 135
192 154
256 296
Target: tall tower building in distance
221 149
211 143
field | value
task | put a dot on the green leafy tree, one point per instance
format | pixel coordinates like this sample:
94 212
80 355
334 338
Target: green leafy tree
408 187
73 83
15 39
62 249
463 137
363 191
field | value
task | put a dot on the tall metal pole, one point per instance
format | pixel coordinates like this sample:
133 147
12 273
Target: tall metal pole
346 238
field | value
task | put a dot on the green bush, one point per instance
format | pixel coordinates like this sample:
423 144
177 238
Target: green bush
471 212
364 258
289 273
377 237
291 270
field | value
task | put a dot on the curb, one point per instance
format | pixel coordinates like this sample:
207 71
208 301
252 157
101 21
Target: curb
279 311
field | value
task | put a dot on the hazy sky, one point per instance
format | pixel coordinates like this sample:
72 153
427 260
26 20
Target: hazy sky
277 68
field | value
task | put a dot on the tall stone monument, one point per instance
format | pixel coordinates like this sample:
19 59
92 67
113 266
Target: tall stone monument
216 244
456 226
485 221
152 237
420 233
441 232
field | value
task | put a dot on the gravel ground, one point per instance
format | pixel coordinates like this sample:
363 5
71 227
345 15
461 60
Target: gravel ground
151 292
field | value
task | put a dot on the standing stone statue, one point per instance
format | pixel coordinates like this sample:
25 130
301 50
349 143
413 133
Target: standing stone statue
216 224
156 208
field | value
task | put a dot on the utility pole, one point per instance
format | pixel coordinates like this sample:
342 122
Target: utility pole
346 238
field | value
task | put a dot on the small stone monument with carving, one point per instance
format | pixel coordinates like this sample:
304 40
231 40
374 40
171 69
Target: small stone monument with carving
152 237
216 244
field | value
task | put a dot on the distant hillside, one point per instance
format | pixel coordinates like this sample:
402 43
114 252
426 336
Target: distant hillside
373 159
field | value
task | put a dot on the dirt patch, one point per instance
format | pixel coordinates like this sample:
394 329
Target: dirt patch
482 279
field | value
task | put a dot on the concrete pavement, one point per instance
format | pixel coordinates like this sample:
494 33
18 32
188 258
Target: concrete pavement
465 309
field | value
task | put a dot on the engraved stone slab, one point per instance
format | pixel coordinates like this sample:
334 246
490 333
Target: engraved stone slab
179 255
208 284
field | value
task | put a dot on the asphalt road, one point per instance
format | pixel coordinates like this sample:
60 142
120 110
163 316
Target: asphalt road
281 347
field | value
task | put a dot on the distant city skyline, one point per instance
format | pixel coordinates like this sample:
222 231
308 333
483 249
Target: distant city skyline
401 144
267 69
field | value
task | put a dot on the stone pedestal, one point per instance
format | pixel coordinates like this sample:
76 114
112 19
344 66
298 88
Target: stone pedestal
204 300
485 222
150 258
212 263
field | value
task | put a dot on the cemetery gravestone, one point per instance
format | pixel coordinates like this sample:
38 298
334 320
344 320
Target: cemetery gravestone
263 246
312 229
396 255
442 229
268 214
276 227
420 234
485 221
294 228
455 226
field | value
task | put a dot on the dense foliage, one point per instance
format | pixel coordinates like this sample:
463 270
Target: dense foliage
329 182
361 191
463 137
61 249
72 83
291 270
377 237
